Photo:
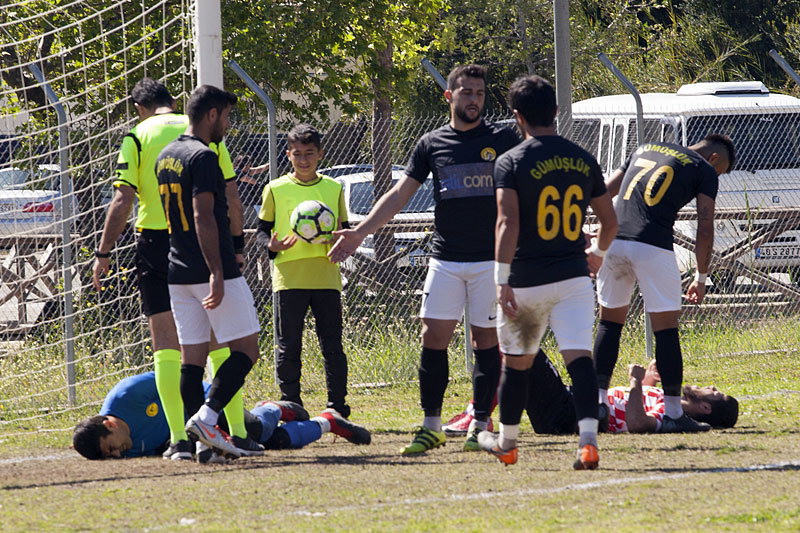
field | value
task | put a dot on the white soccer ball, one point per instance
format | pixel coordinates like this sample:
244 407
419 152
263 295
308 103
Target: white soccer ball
313 221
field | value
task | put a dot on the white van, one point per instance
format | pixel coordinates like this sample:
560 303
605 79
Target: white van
765 128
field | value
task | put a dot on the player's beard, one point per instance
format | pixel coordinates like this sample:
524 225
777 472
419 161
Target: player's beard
217 132
464 116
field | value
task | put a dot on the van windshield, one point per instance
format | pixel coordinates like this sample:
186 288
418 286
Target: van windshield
763 142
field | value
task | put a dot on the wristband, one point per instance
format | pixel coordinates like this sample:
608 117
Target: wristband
238 243
594 249
700 278
101 255
501 272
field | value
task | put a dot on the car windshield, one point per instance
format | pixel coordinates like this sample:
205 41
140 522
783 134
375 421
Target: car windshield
763 142
12 177
362 198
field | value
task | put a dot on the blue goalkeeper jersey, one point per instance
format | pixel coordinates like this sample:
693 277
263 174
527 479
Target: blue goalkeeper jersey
135 400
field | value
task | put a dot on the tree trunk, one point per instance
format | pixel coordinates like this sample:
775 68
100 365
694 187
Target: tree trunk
381 145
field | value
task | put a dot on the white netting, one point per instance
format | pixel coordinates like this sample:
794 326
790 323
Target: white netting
91 52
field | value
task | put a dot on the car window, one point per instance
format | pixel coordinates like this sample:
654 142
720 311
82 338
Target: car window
362 198
12 177
762 141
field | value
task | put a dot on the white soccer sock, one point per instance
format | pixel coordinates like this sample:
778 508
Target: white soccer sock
208 416
475 423
508 436
434 423
602 396
673 407
587 429
324 423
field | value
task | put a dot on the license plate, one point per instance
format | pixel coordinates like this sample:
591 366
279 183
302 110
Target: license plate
419 260
778 252
7 208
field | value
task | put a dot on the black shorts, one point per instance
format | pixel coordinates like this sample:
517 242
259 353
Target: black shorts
152 261
550 408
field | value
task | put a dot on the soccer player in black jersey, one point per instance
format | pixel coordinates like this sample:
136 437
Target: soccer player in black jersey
542 269
656 181
135 179
460 156
206 286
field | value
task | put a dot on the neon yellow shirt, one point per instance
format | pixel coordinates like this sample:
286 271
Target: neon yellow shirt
137 160
308 272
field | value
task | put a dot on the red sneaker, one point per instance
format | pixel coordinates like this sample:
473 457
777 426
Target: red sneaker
586 458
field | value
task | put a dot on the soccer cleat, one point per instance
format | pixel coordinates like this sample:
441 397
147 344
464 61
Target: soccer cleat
471 444
342 410
459 425
344 428
488 442
425 439
206 455
247 446
586 458
213 437
684 424
290 411
178 451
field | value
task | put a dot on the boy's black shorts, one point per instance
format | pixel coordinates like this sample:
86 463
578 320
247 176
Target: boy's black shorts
152 261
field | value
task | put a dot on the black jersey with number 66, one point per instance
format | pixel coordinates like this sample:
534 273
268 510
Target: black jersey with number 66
660 178
555 180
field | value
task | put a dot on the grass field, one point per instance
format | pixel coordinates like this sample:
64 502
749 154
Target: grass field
743 478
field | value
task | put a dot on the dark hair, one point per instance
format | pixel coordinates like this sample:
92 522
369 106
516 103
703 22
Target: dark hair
151 94
718 140
470 71
87 435
205 98
304 134
535 99
724 412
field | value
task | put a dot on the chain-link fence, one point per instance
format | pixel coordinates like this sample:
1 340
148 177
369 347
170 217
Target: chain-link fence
751 305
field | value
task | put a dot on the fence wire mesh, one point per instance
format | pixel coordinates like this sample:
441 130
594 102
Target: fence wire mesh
753 296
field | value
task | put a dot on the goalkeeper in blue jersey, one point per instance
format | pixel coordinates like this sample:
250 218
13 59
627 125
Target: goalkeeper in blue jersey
131 423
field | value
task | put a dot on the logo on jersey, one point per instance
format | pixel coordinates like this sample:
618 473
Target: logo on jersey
564 164
488 154
152 410
467 180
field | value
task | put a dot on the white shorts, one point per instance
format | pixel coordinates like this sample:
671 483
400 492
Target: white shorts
450 284
234 318
654 268
567 306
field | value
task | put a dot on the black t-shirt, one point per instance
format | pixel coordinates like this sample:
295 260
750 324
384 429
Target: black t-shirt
185 168
461 163
555 180
664 178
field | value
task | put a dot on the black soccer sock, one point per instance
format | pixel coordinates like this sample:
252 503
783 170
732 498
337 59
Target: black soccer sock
228 380
584 387
513 394
192 388
485 376
669 361
433 375
606 351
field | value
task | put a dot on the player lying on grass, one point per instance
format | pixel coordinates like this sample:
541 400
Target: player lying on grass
551 408
131 423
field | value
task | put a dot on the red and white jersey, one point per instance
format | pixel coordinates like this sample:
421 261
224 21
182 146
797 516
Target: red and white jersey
652 397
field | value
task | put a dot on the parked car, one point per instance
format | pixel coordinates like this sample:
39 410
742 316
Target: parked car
30 202
412 246
765 127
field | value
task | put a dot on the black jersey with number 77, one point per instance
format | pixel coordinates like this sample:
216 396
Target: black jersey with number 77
660 178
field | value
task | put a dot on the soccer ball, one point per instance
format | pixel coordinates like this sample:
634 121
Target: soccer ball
313 222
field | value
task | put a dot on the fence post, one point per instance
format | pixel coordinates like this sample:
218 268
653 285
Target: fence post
784 65
208 42
467 331
66 229
563 65
648 327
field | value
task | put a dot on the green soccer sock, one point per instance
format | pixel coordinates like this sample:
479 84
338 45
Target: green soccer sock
168 383
234 411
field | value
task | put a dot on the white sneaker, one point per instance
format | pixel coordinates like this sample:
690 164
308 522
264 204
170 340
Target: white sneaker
213 437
